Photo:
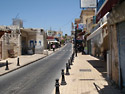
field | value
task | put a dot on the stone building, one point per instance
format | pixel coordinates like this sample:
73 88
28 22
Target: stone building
116 26
85 16
98 39
9 41
15 41
111 35
33 41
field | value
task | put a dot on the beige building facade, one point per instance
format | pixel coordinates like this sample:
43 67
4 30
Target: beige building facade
32 41
15 41
116 26
86 16
10 41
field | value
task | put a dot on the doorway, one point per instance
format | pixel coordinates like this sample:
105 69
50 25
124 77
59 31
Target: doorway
121 48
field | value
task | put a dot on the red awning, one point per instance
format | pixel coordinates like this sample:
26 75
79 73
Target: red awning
50 37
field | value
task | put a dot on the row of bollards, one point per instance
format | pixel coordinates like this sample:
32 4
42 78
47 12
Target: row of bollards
63 82
7 67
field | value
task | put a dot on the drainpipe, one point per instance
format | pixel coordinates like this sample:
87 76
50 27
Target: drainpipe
108 65
119 64
110 51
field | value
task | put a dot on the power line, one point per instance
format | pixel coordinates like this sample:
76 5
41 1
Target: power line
71 19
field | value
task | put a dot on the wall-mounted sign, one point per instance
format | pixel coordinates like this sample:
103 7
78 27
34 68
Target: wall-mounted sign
80 26
88 3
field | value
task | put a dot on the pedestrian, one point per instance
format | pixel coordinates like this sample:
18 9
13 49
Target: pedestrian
53 47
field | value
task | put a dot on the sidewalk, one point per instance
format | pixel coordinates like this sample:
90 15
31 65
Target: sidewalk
24 60
87 76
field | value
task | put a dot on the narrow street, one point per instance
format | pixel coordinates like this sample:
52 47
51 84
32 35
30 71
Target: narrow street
36 78
40 39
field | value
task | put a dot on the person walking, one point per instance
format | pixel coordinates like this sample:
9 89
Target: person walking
53 47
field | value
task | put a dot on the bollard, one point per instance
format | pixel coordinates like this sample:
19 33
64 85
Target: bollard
57 87
71 61
63 82
73 54
69 65
73 57
76 52
7 68
67 69
18 62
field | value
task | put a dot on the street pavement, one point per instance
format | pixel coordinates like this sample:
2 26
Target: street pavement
87 76
23 61
38 77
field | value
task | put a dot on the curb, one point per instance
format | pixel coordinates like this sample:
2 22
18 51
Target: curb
22 66
27 64
30 62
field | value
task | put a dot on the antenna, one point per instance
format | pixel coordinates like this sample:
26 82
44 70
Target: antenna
17 16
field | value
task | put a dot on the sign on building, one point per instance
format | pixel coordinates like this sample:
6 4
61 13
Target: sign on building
80 26
88 3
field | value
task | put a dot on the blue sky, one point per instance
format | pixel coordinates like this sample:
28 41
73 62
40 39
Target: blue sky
57 14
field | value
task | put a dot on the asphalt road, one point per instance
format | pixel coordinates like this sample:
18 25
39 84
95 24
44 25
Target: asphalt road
36 78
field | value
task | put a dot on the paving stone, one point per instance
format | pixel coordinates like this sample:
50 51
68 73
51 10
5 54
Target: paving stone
86 77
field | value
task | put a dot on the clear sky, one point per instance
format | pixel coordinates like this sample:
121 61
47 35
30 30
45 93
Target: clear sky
57 14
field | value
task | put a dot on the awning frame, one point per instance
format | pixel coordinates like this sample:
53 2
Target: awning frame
96 32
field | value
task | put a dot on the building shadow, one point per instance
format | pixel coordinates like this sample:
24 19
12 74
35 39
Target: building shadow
2 64
100 66
108 89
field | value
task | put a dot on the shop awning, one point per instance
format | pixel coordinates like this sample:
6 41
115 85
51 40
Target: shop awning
96 32
53 42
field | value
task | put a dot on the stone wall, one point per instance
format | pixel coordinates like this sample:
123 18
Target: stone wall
114 54
117 15
10 45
